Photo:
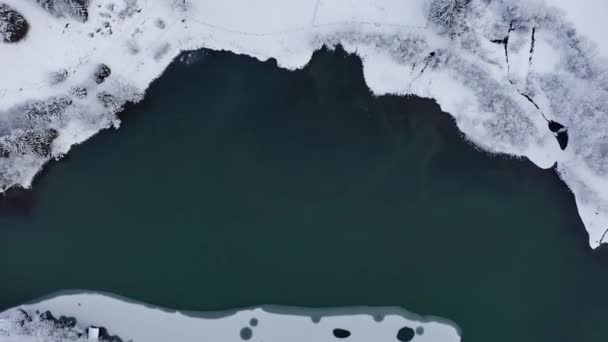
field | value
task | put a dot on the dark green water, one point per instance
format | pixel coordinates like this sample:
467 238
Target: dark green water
236 183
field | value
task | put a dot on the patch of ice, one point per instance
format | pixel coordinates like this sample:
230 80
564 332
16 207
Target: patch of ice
133 321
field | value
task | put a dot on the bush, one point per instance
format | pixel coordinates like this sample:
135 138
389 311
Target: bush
13 26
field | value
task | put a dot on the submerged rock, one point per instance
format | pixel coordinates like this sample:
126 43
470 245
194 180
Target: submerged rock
13 26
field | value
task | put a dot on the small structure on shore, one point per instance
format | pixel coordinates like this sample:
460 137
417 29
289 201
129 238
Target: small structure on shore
93 334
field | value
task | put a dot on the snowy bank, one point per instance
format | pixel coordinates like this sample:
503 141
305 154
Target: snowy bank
72 314
519 77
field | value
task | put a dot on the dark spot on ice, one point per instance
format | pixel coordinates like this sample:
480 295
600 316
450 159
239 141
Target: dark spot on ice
532 43
161 51
378 318
555 126
419 330
562 139
315 319
253 322
341 333
560 132
405 334
160 23
246 333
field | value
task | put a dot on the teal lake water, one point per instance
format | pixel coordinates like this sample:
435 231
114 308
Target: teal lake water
236 183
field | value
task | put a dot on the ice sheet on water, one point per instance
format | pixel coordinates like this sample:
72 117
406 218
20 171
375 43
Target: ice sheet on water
66 318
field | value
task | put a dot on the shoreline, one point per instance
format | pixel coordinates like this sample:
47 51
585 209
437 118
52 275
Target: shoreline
20 201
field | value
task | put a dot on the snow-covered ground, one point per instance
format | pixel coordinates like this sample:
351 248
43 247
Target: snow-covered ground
519 76
138 322
589 18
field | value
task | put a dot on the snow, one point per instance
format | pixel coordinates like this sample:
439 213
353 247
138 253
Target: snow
139 322
546 55
589 18
389 12
519 54
402 49
244 16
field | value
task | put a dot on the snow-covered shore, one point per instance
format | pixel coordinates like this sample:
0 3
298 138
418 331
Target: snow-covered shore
515 75
131 321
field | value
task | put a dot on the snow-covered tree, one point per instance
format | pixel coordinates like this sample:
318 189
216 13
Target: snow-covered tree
77 9
20 325
447 13
13 26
